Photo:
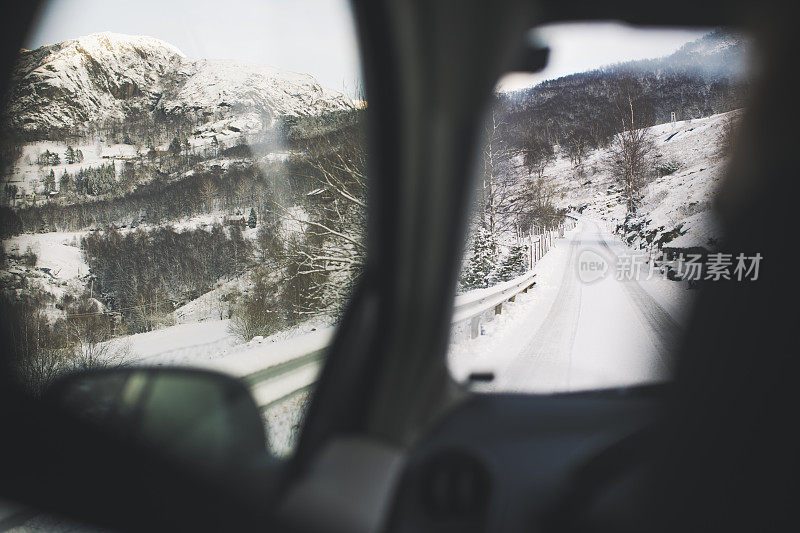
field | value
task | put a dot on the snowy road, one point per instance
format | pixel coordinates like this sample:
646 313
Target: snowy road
574 334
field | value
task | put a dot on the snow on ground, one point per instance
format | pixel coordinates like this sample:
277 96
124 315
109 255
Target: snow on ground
566 334
29 176
206 221
681 199
179 344
59 252
283 421
196 343
209 306
60 266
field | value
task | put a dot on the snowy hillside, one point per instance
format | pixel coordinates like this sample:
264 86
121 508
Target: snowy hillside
719 53
674 207
104 76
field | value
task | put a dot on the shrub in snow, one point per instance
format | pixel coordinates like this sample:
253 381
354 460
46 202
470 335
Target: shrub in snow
668 167
256 314
29 258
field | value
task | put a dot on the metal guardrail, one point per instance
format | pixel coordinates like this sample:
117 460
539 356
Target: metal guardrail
276 371
473 305
278 383
480 300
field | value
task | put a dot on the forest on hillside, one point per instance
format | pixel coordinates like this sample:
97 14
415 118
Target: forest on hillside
581 112
306 215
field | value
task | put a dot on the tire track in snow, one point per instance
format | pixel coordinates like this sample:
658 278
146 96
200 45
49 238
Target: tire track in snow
540 364
665 331
175 355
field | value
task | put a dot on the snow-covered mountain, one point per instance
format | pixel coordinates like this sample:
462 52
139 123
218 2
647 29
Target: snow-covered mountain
718 54
65 86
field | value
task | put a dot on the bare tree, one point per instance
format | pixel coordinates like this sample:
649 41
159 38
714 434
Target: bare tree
498 177
88 329
631 150
576 145
208 191
491 155
324 260
536 205
257 313
536 149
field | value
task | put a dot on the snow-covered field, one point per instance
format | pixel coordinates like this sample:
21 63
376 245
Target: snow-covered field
58 251
60 266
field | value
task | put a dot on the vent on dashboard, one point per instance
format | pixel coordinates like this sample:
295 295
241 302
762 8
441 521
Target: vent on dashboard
455 483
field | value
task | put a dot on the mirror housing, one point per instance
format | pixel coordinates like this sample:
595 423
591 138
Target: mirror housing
192 415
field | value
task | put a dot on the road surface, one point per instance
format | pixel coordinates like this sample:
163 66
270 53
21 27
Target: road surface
585 329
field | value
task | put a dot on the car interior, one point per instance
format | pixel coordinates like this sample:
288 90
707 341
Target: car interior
390 441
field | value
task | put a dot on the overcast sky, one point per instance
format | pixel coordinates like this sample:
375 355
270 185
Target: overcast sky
317 36
310 36
581 47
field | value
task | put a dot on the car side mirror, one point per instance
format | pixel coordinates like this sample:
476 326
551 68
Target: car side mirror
193 415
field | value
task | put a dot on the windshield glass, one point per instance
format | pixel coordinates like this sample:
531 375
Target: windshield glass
593 222
183 183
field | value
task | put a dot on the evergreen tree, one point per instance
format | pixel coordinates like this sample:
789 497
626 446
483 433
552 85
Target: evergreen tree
69 155
48 158
78 156
479 271
175 147
513 264
50 181
252 220
97 180
64 182
11 191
